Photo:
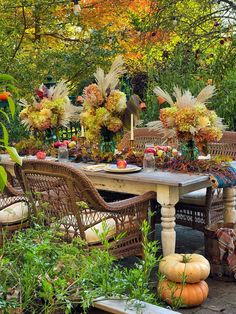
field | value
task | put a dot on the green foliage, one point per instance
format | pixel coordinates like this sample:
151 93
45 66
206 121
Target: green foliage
16 130
193 70
40 273
181 43
6 83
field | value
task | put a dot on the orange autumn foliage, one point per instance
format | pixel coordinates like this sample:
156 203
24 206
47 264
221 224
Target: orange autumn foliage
116 14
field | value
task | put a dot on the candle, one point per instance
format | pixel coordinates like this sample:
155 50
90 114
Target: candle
82 131
132 127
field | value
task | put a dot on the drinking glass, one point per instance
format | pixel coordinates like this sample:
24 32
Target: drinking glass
148 162
63 155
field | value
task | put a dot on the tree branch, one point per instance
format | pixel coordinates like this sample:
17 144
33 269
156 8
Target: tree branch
20 41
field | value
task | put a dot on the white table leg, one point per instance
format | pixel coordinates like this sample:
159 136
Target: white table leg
168 196
230 204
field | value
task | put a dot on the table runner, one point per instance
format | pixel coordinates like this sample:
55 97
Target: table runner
224 180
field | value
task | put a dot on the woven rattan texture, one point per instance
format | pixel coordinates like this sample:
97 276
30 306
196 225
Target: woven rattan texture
194 216
9 197
66 195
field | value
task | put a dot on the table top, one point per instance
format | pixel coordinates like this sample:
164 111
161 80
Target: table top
155 177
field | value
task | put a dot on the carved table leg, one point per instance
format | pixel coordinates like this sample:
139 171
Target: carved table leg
168 196
230 203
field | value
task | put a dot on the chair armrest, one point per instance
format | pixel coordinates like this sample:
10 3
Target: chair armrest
10 191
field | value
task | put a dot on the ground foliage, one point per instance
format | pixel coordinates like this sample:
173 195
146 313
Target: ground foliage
40 273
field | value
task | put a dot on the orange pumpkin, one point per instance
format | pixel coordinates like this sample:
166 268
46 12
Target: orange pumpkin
189 294
4 95
160 100
194 267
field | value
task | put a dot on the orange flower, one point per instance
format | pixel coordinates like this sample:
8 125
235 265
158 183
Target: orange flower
93 95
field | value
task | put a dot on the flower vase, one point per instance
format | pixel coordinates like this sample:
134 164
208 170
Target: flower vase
51 135
189 151
107 144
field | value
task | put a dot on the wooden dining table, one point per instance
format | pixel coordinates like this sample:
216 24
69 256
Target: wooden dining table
169 186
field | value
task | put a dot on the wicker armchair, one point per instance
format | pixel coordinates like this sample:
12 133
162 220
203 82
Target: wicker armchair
204 207
226 146
67 195
199 208
14 212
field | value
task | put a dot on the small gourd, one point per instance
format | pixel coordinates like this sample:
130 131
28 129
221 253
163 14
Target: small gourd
187 294
189 268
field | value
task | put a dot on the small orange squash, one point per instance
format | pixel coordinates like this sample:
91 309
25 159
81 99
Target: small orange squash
190 294
4 95
160 100
188 267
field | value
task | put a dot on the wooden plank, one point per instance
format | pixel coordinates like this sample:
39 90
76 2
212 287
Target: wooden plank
157 177
120 307
120 185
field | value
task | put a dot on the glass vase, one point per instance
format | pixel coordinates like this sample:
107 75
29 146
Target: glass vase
107 145
189 150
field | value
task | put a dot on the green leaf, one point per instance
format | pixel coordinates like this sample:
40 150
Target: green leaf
14 155
5 115
5 134
12 106
3 178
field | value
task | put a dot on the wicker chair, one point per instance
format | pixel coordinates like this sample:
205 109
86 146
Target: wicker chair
226 146
142 137
204 207
14 212
67 195
199 208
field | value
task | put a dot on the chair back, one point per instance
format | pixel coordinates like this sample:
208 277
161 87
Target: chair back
62 192
143 136
226 146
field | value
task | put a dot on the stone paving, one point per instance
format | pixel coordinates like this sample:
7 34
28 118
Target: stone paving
222 295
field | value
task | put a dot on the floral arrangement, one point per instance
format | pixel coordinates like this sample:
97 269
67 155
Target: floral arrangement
106 110
188 118
50 108
31 145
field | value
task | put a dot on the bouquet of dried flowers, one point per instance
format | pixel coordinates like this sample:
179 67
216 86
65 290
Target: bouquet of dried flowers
106 110
188 118
50 108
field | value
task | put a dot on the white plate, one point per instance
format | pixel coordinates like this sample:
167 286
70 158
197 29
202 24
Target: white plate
129 168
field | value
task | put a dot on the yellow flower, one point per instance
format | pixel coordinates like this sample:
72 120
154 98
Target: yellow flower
167 116
203 122
116 102
46 112
102 115
114 124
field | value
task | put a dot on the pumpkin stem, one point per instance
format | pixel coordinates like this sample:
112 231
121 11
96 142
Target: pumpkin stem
186 259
